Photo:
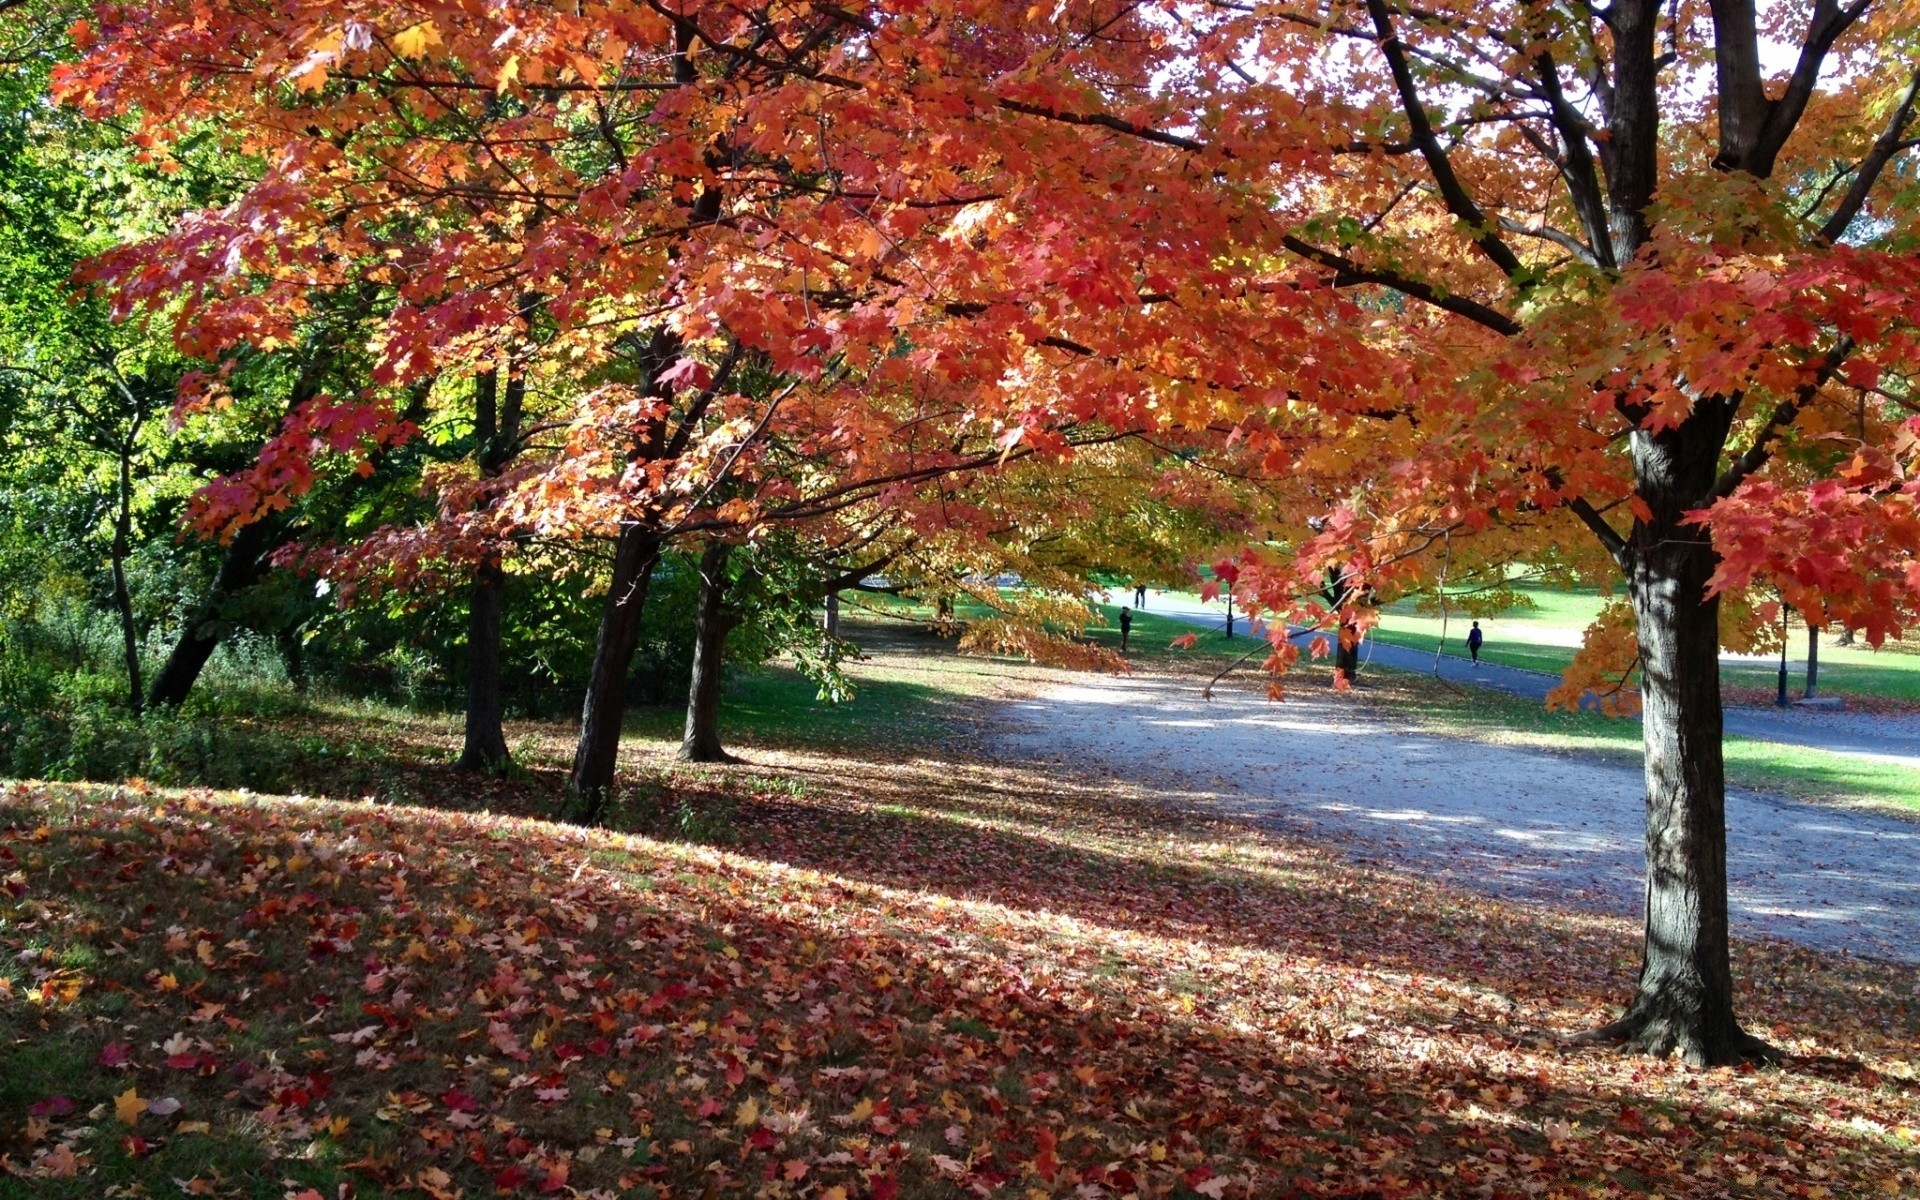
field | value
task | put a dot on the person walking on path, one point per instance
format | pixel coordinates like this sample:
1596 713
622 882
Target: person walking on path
1126 627
1139 595
1474 638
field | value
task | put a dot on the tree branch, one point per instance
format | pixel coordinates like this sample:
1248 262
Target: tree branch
1459 203
1784 414
1347 273
1868 172
1608 535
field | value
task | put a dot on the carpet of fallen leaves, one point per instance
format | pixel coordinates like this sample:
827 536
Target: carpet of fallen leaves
909 974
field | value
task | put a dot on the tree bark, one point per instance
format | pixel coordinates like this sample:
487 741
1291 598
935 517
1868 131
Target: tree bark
245 560
122 597
833 614
1346 656
485 748
496 432
240 567
635 552
712 622
1813 662
1684 1000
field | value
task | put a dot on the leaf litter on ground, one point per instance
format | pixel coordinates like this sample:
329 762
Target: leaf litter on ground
914 972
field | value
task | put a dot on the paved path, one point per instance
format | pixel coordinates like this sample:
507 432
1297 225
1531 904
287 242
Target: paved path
1887 738
1510 821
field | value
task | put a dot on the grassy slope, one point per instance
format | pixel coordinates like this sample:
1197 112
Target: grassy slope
908 970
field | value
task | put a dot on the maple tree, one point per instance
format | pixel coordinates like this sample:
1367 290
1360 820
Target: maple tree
1648 291
1498 279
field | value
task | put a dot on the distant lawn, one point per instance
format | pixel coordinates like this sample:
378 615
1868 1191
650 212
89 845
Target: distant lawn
1537 638
1491 716
1530 656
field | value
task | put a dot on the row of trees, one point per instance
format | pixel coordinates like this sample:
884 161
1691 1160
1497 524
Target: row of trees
1411 288
418 494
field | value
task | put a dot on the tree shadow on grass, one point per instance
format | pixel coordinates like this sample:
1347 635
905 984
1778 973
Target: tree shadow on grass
905 1026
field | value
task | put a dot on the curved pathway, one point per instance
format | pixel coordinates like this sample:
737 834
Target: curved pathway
1511 821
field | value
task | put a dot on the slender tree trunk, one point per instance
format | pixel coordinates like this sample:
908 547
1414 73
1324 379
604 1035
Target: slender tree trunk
712 622
1346 655
1684 1000
240 567
244 562
1813 662
496 433
122 597
595 759
486 740
833 614
292 657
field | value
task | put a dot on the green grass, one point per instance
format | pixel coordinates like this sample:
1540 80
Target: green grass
1798 771
1536 639
1527 655
1152 637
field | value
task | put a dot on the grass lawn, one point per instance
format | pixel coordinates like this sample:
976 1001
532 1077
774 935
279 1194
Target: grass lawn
1543 639
868 963
1492 716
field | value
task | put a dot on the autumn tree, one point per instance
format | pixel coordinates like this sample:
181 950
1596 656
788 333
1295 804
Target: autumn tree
1642 264
1516 275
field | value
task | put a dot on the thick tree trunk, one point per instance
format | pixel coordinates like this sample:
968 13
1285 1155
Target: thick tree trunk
240 567
1684 1001
712 622
244 562
594 760
833 614
486 740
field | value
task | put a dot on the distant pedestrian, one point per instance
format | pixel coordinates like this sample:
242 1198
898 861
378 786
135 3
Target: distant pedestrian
1139 595
1474 638
1126 627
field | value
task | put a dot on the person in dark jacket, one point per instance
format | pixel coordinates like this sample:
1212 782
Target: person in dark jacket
1474 638
1126 627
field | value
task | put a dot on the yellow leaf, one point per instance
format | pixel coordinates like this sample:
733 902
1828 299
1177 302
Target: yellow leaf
416 40
509 71
193 1127
834 1193
128 1106
748 1114
861 1112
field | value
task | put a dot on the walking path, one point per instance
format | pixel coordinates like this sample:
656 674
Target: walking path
1510 821
1887 738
